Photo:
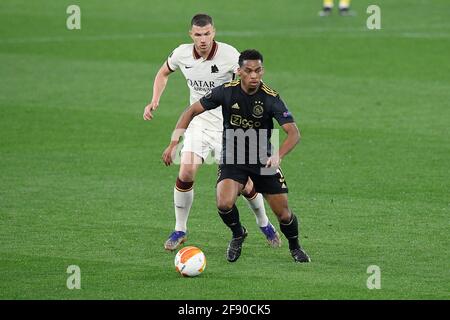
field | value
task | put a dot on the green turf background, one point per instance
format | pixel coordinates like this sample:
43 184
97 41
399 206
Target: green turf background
81 181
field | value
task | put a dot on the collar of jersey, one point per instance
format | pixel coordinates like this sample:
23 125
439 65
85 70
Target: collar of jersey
211 54
250 95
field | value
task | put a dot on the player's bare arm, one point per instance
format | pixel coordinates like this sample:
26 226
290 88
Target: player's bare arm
293 137
159 85
182 124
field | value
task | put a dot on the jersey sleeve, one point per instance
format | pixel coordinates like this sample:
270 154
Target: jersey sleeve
213 98
173 61
235 59
280 112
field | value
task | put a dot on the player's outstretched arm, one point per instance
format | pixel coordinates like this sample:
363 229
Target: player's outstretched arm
159 85
186 117
182 124
293 137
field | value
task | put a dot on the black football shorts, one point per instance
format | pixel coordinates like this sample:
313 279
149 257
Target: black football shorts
265 182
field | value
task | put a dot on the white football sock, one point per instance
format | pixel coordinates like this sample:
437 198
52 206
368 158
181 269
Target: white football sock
257 206
183 202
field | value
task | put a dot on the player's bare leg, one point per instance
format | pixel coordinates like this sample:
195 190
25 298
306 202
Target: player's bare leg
256 203
288 224
227 192
183 196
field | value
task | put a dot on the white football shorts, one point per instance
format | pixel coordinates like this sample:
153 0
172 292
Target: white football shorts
202 142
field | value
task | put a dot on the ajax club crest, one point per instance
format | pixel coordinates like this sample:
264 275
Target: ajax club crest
258 109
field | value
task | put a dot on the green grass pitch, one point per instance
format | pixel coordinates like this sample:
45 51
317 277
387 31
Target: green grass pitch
81 177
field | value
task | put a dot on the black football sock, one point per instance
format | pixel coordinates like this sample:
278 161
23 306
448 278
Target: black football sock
231 219
290 230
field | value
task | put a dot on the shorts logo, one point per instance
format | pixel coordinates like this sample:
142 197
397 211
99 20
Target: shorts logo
281 179
258 109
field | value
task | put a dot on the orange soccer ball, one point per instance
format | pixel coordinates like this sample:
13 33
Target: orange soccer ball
190 261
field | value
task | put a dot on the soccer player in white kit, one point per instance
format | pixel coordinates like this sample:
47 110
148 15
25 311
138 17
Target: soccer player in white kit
206 64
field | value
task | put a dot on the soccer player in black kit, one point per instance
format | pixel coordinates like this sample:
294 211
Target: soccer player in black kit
249 107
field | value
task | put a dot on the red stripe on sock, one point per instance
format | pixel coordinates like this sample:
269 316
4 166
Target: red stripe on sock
183 186
251 195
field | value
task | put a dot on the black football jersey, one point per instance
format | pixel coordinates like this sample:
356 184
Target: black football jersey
247 121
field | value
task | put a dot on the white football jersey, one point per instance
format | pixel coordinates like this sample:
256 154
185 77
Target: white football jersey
203 75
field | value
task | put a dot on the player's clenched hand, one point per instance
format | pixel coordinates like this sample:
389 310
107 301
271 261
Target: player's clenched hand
148 115
169 154
273 162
